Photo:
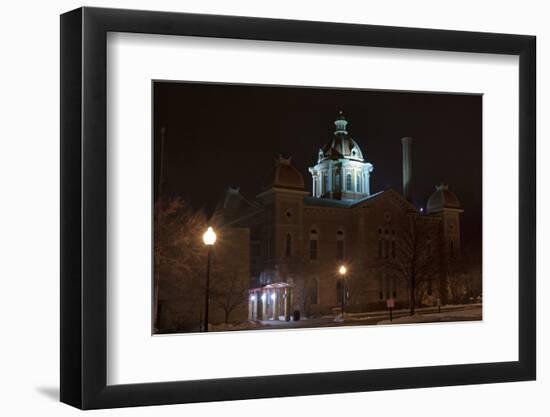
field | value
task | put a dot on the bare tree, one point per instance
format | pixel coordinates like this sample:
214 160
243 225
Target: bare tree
230 271
230 291
464 274
416 259
179 255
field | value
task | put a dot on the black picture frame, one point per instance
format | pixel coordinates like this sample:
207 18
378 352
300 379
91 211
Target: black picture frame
84 207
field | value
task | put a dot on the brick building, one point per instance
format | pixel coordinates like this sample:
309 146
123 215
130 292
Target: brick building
299 239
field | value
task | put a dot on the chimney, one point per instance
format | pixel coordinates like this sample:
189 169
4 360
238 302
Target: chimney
407 167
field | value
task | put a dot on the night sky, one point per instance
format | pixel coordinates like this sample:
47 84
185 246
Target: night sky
219 135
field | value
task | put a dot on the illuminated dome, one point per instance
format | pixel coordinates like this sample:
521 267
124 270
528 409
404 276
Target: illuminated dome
341 172
442 198
341 145
284 175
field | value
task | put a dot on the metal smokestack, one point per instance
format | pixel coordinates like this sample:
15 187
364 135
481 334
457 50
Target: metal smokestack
407 167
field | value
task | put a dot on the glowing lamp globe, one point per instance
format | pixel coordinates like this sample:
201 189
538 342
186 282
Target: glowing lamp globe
342 270
209 237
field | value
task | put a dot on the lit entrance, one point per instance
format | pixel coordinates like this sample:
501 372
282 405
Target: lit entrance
270 302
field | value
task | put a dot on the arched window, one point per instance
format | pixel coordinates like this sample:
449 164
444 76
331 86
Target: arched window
325 183
288 246
313 244
348 182
340 245
358 183
340 289
314 291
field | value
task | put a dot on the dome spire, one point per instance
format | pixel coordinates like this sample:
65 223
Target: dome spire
341 124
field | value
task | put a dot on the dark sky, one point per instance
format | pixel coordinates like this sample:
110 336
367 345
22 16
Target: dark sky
219 135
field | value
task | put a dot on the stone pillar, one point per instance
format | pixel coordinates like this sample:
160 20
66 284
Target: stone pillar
275 304
330 189
264 304
287 304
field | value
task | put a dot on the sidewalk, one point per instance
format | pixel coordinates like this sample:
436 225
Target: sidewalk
377 313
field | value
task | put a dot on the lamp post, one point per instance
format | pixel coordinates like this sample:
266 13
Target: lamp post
342 271
209 238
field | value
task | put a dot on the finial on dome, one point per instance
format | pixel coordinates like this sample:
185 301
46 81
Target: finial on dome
442 187
282 160
341 124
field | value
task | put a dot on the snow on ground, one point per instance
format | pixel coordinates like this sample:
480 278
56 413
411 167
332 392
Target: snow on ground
247 325
447 316
423 315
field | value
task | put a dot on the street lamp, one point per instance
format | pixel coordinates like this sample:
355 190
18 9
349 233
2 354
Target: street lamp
209 238
342 271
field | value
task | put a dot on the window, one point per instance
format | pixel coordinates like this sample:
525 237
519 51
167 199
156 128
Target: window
160 311
379 243
255 258
313 249
339 290
325 183
348 182
393 248
313 243
358 183
340 245
314 292
288 246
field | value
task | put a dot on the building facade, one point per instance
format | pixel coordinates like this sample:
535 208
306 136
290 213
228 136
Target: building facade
300 239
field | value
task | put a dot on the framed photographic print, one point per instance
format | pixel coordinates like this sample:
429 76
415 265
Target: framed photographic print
258 208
